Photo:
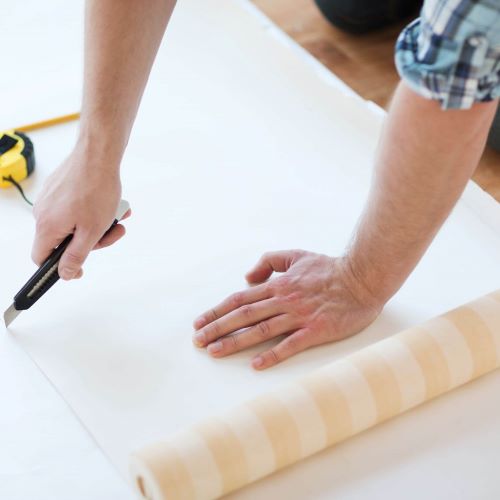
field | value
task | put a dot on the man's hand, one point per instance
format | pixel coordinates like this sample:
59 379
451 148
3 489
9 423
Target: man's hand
317 300
81 198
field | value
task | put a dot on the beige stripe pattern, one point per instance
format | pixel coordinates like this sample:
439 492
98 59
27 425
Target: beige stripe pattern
333 403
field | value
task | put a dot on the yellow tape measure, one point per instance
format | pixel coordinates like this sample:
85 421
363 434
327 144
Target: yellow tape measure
17 158
17 154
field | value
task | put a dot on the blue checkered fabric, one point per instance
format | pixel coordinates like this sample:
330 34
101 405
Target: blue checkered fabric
452 52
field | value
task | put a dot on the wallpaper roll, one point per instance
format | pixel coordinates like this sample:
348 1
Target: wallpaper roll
331 404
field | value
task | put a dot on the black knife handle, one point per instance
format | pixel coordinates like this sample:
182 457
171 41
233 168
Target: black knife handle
42 280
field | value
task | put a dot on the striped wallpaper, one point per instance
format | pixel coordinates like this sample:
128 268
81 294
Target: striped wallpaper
333 403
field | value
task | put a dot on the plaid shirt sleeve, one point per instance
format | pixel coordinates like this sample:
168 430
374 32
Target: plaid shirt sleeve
452 52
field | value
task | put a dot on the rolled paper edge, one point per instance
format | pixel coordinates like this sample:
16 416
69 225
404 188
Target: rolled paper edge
143 481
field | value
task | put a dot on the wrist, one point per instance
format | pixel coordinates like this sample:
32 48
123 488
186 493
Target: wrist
97 148
362 284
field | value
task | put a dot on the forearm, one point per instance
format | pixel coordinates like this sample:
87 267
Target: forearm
121 41
424 161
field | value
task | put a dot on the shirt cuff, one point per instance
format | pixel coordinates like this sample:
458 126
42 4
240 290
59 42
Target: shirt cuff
443 69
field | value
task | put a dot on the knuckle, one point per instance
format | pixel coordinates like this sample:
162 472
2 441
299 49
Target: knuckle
236 300
297 341
264 330
298 253
211 330
278 303
292 297
274 355
234 342
247 311
292 344
74 257
267 289
281 284
214 330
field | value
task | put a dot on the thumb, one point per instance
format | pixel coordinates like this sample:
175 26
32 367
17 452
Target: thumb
271 262
74 256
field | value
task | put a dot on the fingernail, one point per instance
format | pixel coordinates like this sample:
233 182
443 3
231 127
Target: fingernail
199 339
258 362
215 347
67 273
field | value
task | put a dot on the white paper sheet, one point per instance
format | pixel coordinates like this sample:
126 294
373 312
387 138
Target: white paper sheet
240 148
44 454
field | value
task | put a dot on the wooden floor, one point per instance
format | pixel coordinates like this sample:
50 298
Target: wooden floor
364 62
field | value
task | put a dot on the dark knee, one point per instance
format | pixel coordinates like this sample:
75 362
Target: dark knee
360 16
